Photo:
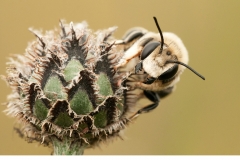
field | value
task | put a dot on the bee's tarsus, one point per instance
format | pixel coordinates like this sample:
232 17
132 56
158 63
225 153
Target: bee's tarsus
153 96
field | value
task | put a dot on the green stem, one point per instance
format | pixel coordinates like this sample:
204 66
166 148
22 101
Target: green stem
67 147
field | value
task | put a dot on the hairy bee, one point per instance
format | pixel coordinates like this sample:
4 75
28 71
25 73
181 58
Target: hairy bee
154 64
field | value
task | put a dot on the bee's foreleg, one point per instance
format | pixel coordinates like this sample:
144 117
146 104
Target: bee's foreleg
148 87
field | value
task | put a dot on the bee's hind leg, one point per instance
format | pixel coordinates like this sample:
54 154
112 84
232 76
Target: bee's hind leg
153 96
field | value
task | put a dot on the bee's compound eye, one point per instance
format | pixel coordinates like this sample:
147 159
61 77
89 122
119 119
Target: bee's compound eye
148 49
169 73
169 53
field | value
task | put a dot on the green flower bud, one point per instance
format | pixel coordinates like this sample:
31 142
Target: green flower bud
65 90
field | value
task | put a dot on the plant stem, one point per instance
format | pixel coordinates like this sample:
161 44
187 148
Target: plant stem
67 147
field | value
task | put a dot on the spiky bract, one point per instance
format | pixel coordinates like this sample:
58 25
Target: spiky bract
65 86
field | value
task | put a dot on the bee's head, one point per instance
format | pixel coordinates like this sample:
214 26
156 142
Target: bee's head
170 53
173 50
158 62
162 58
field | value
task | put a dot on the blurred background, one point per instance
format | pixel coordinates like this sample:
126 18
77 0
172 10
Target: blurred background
200 117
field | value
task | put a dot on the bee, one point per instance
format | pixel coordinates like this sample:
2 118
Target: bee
154 64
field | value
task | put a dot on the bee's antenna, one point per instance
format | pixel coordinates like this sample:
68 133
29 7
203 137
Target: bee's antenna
199 75
161 35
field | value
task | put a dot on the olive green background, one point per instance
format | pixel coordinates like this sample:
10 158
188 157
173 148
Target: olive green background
200 117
